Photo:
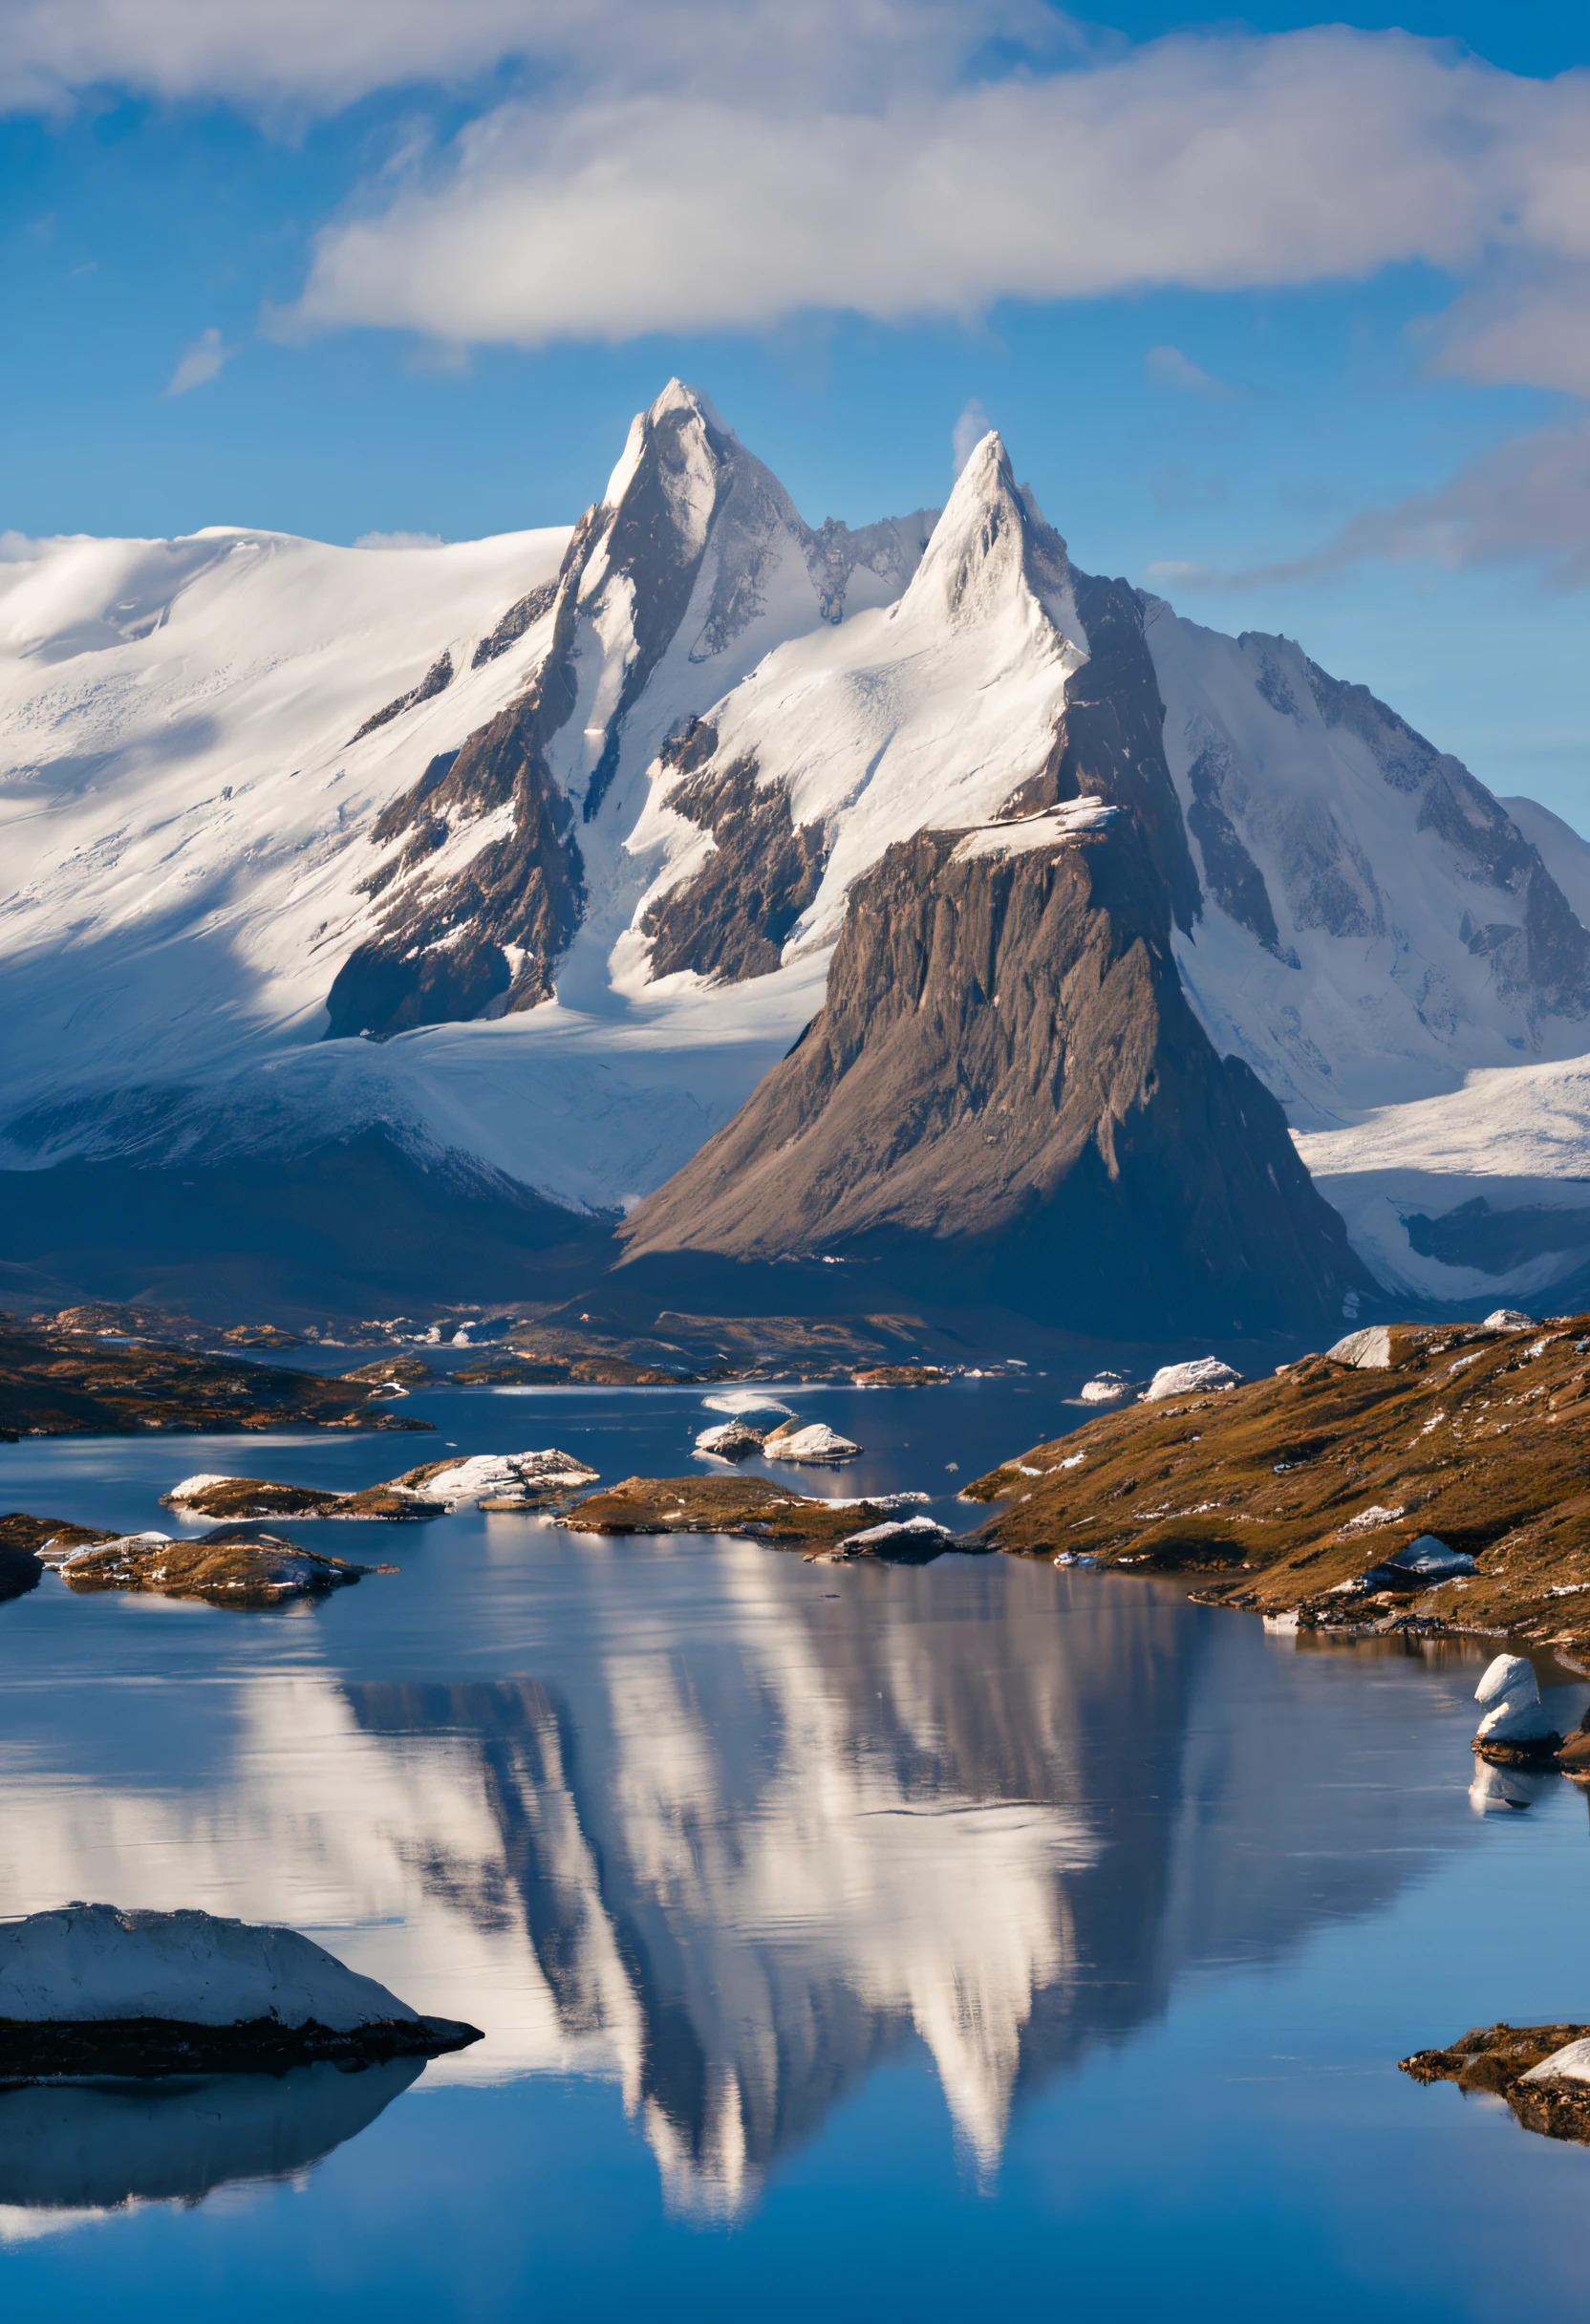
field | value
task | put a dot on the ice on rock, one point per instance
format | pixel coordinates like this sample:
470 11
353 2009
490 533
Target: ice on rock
1203 1372
1104 1388
1569 2064
87 1963
897 1533
1509 1695
729 1440
490 1475
1431 1560
808 1441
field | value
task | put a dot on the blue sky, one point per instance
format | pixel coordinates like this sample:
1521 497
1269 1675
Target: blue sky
1293 325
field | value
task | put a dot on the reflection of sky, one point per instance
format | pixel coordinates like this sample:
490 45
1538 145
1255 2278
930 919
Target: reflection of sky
708 1822
728 1838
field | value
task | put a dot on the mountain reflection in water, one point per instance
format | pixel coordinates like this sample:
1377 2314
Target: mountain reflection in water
733 1865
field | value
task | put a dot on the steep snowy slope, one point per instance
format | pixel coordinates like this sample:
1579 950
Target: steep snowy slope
1375 924
182 792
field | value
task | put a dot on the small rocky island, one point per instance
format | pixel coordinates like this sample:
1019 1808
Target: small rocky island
1543 2073
1411 1477
762 1511
93 1989
56 1381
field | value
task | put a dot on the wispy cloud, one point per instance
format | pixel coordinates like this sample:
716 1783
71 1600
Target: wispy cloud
200 364
1527 503
1169 366
968 433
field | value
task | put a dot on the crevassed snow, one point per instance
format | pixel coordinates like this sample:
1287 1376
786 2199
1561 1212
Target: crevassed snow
94 1962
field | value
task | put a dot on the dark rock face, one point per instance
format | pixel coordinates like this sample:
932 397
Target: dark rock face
1006 1096
436 680
45 2049
439 952
732 918
1235 880
514 623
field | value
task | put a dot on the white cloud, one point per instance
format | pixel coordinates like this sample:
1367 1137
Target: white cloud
267 56
1215 162
968 433
200 364
1526 502
1169 366
399 540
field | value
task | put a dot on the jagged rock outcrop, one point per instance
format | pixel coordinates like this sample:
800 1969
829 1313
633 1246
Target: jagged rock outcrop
731 919
1007 1096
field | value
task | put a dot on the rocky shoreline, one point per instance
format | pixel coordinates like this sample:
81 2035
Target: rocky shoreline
1306 1497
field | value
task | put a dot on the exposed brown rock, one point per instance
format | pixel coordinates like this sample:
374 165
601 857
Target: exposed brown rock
256 1497
1006 1096
54 1383
730 919
436 680
238 1565
1493 2059
1317 1476
719 1504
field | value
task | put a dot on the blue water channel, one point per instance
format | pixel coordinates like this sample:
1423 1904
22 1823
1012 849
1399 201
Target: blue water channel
848 1940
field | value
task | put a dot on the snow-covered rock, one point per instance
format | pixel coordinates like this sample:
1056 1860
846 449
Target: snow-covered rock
55 1554
1509 1695
1104 1388
488 1474
1368 1349
1569 2064
1509 1318
729 1440
1202 1373
897 1533
808 1440
83 1963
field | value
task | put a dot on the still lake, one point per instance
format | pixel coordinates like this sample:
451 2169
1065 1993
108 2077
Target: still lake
849 1940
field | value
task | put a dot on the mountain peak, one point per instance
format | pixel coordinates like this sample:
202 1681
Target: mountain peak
993 541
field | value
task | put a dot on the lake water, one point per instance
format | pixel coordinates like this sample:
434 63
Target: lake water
849 1940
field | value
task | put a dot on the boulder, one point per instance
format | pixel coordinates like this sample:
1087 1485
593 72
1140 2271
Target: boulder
517 1476
93 1987
810 1441
730 1440
1431 1560
1368 1350
1515 1725
909 1537
1104 1388
1191 1379
1509 1318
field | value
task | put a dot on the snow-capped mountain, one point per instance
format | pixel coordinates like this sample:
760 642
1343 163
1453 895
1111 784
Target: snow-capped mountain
531 855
